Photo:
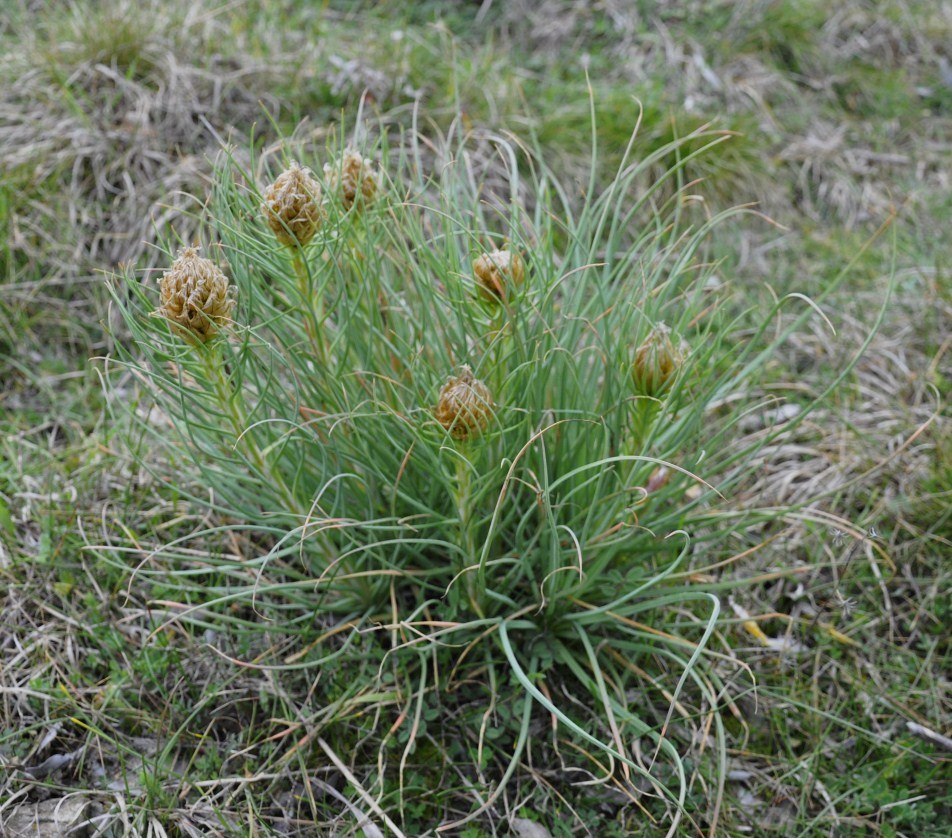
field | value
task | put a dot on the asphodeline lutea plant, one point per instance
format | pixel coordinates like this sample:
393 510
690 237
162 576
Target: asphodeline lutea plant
470 477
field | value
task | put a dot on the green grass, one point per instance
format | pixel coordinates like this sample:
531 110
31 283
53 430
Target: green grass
121 572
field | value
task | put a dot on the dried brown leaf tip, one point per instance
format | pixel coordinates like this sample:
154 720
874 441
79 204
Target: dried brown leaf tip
353 179
292 206
658 360
498 273
465 406
195 295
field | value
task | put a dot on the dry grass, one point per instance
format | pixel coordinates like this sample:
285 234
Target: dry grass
112 109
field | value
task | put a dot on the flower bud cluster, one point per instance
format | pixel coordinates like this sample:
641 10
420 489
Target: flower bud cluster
498 274
353 179
465 406
292 206
658 360
195 296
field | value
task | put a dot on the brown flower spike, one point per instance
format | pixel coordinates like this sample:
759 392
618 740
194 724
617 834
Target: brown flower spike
353 179
465 406
657 361
292 206
195 295
498 273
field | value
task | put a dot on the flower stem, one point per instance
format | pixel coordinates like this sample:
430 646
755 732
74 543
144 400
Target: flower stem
313 308
464 511
231 405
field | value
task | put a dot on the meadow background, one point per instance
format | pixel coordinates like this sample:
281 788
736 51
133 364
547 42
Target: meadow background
840 114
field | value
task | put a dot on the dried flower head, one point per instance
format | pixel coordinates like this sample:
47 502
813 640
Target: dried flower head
195 295
292 206
498 273
657 361
354 179
465 405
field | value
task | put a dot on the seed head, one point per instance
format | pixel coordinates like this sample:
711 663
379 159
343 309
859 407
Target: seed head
498 273
354 179
657 361
465 406
292 206
195 295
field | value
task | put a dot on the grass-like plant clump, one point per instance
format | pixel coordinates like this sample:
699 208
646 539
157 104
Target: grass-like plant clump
181 549
461 436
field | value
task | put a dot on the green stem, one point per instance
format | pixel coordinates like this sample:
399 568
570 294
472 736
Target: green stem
313 308
474 582
644 412
231 405
498 341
